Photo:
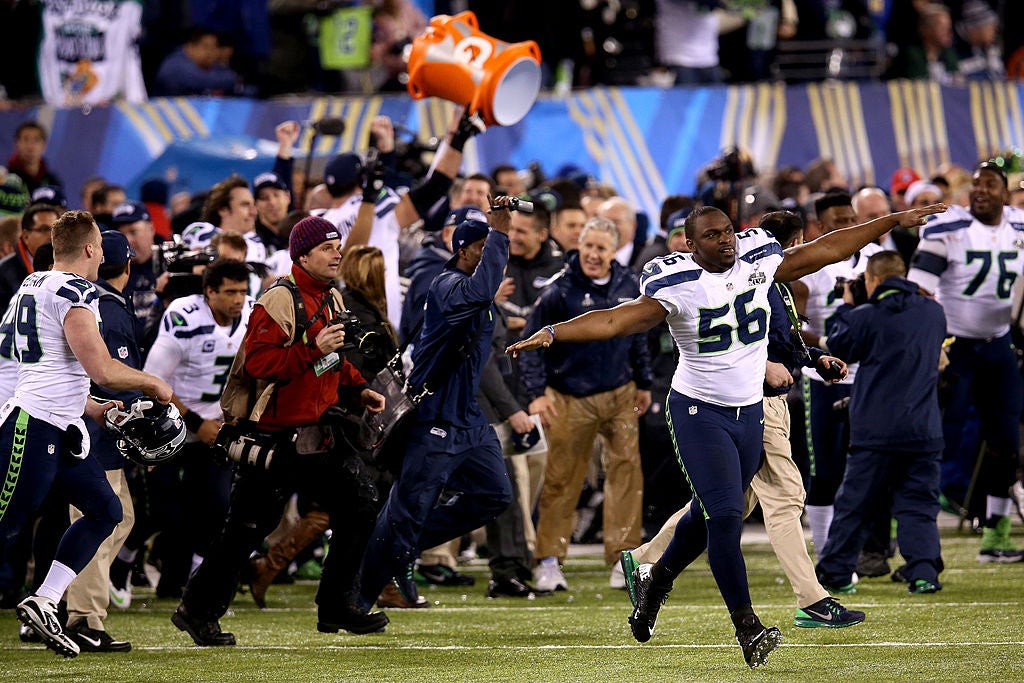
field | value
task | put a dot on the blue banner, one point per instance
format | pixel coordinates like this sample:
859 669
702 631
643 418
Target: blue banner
646 142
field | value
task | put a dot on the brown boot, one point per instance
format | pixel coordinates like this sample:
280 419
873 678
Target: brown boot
266 567
392 597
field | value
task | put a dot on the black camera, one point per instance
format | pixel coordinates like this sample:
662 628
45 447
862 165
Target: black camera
358 337
731 166
247 445
832 373
858 289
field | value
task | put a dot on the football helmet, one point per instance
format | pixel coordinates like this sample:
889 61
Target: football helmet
148 433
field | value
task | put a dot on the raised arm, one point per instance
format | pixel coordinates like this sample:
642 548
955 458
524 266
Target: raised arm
632 317
843 243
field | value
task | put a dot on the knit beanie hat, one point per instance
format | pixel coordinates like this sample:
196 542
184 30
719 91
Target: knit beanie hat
309 233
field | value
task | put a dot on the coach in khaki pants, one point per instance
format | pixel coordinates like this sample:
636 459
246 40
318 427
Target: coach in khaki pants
582 390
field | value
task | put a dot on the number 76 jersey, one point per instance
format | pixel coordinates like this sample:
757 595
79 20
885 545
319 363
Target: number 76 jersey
970 267
193 353
719 320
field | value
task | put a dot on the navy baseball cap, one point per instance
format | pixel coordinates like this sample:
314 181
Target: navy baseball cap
129 212
342 170
994 167
50 194
268 179
463 214
116 250
468 232
677 220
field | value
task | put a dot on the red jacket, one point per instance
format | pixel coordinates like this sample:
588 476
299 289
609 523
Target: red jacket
303 398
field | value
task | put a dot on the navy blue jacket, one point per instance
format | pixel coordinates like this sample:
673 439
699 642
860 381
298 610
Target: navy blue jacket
896 338
424 267
460 308
119 332
587 368
783 346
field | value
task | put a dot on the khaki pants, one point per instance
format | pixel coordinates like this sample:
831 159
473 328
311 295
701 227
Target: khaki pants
780 489
570 446
89 594
445 554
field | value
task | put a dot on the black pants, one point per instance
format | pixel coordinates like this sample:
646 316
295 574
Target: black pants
338 485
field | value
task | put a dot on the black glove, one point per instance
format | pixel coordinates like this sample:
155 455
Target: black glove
373 177
469 125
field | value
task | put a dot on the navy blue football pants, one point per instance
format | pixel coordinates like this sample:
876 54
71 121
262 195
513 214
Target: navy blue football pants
985 373
452 481
719 450
828 434
34 457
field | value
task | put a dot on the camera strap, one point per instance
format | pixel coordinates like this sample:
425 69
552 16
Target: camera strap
794 317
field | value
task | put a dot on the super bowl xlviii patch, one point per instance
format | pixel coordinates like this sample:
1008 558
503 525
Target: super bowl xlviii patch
757 278
122 352
1019 242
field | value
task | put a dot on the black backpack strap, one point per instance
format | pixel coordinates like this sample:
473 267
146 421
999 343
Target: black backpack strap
302 319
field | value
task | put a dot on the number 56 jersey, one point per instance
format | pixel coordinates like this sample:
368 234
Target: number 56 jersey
193 353
719 320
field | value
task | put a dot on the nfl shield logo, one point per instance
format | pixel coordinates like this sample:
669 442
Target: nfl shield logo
122 352
51 449
692 410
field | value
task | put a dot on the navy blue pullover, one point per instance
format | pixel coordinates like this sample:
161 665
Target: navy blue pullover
896 338
587 368
460 307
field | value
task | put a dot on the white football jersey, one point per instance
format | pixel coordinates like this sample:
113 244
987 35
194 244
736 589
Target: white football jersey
8 363
719 320
971 267
193 353
89 53
822 302
384 236
52 385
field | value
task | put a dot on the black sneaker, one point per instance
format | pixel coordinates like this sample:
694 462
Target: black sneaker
514 588
827 613
352 619
27 634
440 575
92 640
650 596
757 641
872 565
204 633
898 576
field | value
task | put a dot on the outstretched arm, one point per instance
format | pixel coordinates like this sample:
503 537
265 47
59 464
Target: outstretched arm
843 243
633 317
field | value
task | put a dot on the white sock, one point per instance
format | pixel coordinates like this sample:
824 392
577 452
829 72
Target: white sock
127 555
820 519
998 507
57 581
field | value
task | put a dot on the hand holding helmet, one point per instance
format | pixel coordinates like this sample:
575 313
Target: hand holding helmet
148 433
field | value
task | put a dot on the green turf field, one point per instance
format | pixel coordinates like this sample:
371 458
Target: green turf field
971 631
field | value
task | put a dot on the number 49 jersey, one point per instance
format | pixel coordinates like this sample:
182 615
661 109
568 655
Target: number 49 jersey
971 267
52 385
194 354
719 320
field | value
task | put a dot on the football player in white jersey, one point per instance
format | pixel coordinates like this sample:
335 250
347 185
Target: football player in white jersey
827 433
715 302
198 338
969 260
56 338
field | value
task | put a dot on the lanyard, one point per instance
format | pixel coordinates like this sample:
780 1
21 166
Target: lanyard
794 317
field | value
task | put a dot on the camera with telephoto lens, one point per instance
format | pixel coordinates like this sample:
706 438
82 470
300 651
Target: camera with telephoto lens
247 446
858 289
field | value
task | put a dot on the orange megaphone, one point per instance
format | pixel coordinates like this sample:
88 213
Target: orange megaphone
453 60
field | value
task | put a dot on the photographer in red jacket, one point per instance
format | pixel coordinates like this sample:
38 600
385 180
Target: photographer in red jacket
307 368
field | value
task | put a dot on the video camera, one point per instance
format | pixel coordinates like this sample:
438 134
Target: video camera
858 289
180 262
